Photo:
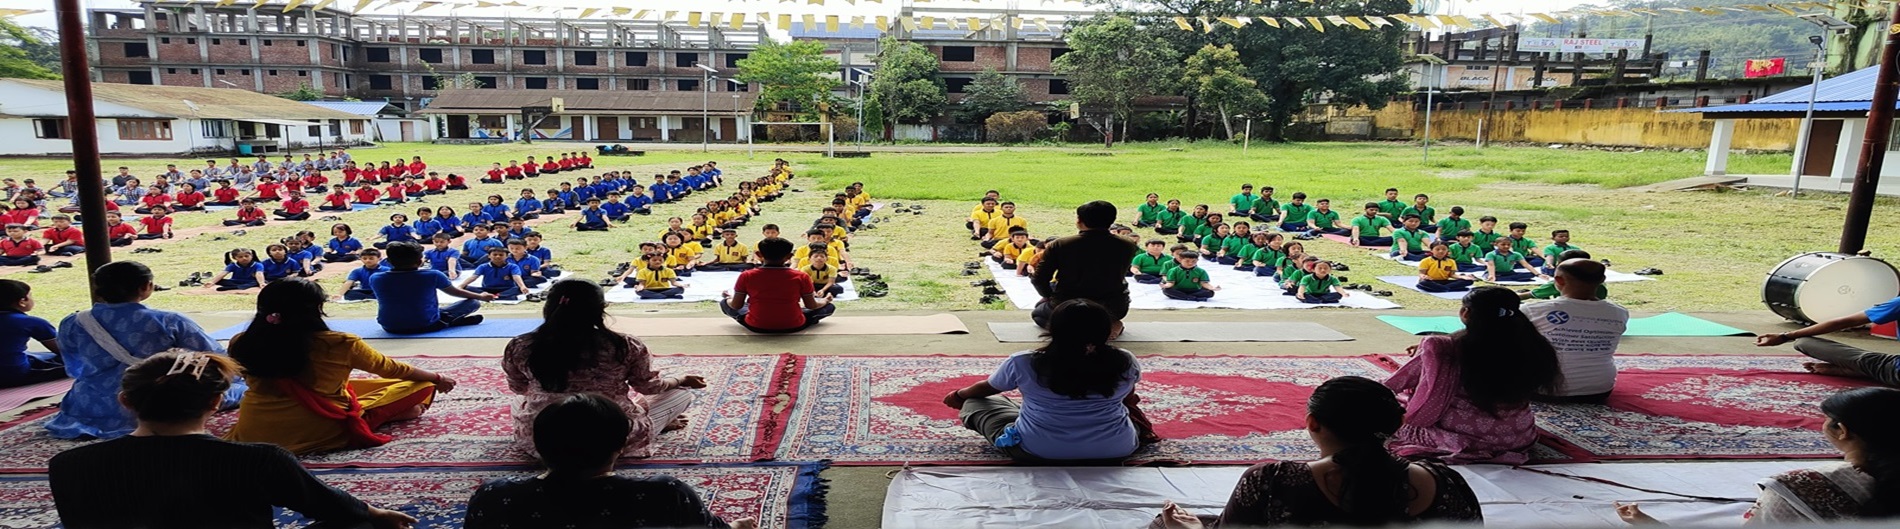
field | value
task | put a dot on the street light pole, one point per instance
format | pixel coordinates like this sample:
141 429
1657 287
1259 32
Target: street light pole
1807 120
705 106
863 84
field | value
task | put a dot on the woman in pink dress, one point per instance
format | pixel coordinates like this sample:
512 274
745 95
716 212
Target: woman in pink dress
1467 395
574 352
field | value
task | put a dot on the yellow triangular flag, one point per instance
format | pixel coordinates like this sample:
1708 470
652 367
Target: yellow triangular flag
784 22
588 12
738 21
1789 12
1425 22
1336 20
810 22
692 18
857 22
668 15
976 24
1446 20
883 24
1358 22
1493 20
259 4
321 5
622 11
908 23
292 5
831 23
1544 17
1269 21
1378 21
1403 18
1295 22
1182 23
1231 21
1314 21
927 22
360 4
1016 22
815 2
1207 25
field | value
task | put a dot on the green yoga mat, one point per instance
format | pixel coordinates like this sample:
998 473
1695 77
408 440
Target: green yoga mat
1669 324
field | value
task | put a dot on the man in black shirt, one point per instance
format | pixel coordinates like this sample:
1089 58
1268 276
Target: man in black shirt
1092 265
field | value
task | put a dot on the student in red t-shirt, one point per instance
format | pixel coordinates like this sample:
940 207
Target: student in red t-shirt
153 197
435 185
587 161
157 225
395 192
337 200
63 238
315 182
248 214
514 170
413 188
268 190
456 182
118 232
225 195
531 169
775 298
295 208
350 175
367 194
17 249
188 198
416 167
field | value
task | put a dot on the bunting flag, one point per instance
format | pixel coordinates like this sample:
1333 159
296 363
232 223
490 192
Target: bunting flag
927 22
360 4
831 23
321 5
784 22
1182 22
1295 22
292 5
976 24
589 12
738 21
883 24
1358 23
1231 21
692 19
1269 21
1042 24
1314 21
856 23
10 12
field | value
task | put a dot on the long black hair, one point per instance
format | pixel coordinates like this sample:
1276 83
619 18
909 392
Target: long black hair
277 344
1077 361
1866 413
1362 415
1502 359
572 334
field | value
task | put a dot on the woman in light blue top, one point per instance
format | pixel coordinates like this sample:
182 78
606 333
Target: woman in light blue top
99 344
1073 390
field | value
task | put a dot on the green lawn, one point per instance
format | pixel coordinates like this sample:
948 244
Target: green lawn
1715 247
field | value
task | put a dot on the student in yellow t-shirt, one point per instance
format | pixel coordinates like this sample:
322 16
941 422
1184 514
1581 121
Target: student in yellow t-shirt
824 273
979 222
834 251
729 255
1000 225
1438 272
653 280
1011 254
684 255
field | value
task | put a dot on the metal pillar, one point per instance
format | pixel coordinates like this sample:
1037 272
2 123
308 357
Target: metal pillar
84 125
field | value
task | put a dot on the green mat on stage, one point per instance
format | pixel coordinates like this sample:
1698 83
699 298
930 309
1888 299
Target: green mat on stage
1668 324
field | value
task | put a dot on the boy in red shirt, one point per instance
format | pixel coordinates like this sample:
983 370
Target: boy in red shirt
435 185
293 184
248 214
268 190
295 208
225 195
157 225
587 161
775 298
395 192
350 175
531 169
495 174
413 189
337 200
188 198
515 170
153 197
118 232
456 182
63 238
416 167
17 250
367 194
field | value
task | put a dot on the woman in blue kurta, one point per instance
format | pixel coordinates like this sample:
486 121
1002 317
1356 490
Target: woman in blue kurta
98 344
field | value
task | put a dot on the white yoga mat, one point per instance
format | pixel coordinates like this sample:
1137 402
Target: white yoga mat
1123 498
706 286
1239 290
1411 283
1190 331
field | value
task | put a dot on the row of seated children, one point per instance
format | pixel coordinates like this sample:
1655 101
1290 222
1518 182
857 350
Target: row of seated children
824 258
1179 269
516 170
507 268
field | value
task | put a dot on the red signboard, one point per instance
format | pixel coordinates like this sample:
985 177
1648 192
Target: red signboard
1765 67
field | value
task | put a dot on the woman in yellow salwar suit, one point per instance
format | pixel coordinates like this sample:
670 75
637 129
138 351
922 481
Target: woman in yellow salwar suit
305 400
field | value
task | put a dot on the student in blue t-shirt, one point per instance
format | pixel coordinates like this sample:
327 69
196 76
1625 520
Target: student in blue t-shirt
638 201
584 191
1842 359
356 284
617 211
18 367
426 225
552 204
450 224
499 278
594 218
406 296
662 193
529 264
397 231
443 258
279 264
475 249
474 217
1073 389
241 272
568 196
342 247
527 207
495 211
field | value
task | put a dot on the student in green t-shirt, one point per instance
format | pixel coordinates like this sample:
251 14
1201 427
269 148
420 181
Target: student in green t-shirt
1148 265
1391 206
1367 228
1188 282
1266 253
1524 245
1245 248
1231 248
1467 253
1190 226
1149 212
1169 221
1501 264
1410 243
1549 290
1265 208
1174 259
1559 243
1212 242
1242 203
1487 232
1427 217
1325 220
1454 223
1321 286
1293 216
1294 268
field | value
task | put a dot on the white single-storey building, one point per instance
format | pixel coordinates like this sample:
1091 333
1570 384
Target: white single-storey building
145 119
594 115
390 123
1834 143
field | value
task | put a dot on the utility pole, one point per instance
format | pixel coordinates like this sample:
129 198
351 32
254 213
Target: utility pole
76 70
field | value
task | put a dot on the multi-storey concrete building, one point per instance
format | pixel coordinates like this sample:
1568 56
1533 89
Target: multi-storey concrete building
403 59
1017 43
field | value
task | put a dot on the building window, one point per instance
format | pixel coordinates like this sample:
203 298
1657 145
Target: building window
959 54
487 81
639 84
219 71
534 57
170 71
301 73
356 126
534 83
267 42
191 40
586 58
138 77
481 56
246 71
739 87
376 54
1058 86
430 55
636 58
194 71
272 73
137 49
51 129
586 84
336 127
732 59
956 85
688 85
217 42
685 60
215 128
381 82
145 129
243 42
315 131
301 44
1057 53
164 40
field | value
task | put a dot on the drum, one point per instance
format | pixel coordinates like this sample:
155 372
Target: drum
1816 287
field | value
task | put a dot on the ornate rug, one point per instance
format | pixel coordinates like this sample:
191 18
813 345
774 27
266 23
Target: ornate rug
471 426
779 495
1701 407
883 410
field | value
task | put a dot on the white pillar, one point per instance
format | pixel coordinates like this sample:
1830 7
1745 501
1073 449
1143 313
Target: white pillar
1719 141
1847 151
514 131
666 124
587 133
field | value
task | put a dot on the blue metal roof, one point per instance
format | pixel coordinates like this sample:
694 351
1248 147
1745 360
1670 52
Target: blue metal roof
1853 92
360 108
1819 106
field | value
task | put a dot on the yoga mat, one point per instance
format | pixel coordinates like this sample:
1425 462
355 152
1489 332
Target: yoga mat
1168 331
831 326
966 497
1667 324
778 495
370 330
1411 283
706 286
15 397
1239 290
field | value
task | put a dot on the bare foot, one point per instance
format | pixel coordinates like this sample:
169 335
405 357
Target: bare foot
1115 331
677 424
1822 368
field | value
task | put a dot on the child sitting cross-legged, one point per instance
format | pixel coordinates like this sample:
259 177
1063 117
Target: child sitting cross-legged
158 225
1188 282
823 272
1500 265
1014 251
594 218
248 214
1320 286
1147 266
17 249
241 271
63 238
652 279
356 286
1439 272
776 298
499 277
729 255
1409 242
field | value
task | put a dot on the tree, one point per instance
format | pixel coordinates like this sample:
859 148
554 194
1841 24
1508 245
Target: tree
464 80
1016 127
906 88
22 53
1111 63
795 73
1213 80
304 92
1295 66
989 94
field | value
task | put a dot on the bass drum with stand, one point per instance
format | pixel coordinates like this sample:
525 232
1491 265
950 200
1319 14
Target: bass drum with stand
1817 287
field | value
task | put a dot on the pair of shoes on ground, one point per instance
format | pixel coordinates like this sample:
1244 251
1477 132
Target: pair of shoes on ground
41 269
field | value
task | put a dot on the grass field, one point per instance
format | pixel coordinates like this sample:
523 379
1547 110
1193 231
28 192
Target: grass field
1714 247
